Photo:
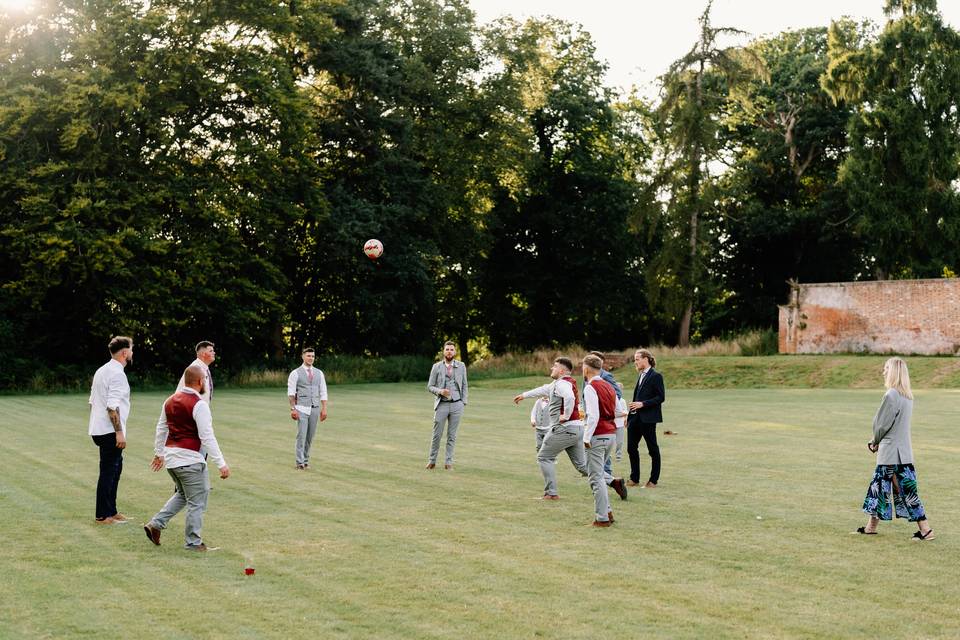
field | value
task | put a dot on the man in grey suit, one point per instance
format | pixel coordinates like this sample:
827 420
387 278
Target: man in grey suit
307 392
448 383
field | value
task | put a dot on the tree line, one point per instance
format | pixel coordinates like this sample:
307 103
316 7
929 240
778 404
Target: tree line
210 169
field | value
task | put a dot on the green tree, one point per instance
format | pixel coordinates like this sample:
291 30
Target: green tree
558 268
784 214
903 169
399 129
146 155
694 96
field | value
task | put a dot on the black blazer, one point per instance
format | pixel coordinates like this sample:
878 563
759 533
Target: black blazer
652 394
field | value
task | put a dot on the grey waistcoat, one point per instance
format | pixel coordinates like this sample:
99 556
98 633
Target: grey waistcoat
308 394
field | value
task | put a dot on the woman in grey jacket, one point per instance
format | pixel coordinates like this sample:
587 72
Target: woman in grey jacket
894 473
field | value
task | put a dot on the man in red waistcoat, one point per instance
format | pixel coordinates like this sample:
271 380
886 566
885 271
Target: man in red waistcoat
599 435
184 426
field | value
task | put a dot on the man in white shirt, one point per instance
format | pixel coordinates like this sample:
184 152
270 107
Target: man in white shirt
184 426
599 434
205 357
307 392
566 427
109 410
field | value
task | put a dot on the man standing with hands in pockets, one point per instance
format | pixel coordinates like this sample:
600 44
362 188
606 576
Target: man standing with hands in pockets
448 382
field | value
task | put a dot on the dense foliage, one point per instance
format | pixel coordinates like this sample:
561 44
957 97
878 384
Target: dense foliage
180 171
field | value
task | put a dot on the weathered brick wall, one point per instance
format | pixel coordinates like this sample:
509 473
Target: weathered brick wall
887 316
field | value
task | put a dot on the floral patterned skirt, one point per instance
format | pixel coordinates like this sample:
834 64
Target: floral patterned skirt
900 481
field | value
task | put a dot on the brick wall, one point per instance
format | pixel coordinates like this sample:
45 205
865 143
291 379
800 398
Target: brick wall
887 316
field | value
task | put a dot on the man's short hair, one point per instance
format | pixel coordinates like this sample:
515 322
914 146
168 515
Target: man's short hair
599 355
203 344
450 342
307 350
593 362
119 343
643 353
565 362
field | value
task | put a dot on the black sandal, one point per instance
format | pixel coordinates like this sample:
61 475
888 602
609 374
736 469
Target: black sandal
923 536
865 532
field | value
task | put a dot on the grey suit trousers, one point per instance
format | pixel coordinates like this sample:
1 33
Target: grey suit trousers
191 482
597 456
447 414
567 438
306 429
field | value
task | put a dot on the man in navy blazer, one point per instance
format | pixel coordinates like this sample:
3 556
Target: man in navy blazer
645 414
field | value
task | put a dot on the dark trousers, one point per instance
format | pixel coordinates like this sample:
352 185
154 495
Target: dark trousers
111 466
647 431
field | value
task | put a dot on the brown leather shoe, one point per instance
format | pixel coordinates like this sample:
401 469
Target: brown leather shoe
153 535
633 484
598 523
119 518
619 487
107 520
448 467
199 547
650 485
547 496
610 516
431 466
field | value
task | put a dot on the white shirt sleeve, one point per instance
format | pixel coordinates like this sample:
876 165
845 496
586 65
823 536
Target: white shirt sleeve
292 383
204 420
565 390
160 440
622 407
592 406
533 413
539 392
323 385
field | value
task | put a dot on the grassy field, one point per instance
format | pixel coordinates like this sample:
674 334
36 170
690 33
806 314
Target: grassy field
369 544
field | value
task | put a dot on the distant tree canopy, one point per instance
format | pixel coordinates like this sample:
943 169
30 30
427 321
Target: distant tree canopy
180 171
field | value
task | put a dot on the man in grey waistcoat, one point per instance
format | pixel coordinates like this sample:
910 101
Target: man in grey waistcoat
565 431
448 383
307 392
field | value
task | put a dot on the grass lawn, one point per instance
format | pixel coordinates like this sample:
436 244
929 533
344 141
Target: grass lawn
368 544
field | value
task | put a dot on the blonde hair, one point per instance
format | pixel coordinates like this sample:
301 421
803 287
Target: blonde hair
643 353
896 376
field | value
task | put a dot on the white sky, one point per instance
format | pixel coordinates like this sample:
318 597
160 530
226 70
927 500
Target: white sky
639 38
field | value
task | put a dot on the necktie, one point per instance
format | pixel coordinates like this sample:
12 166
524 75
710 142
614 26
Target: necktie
310 375
210 383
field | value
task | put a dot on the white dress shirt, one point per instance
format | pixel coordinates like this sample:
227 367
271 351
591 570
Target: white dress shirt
174 457
620 414
292 387
110 390
591 405
559 387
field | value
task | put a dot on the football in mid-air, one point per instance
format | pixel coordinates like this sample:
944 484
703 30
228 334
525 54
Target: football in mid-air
373 248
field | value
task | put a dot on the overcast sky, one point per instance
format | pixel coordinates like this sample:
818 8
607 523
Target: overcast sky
639 38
